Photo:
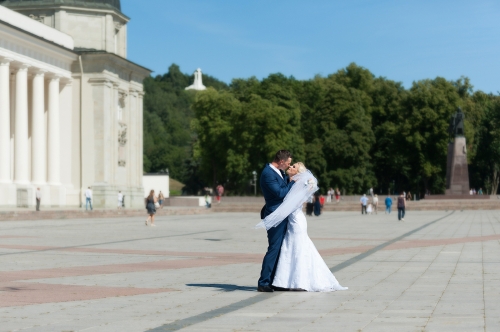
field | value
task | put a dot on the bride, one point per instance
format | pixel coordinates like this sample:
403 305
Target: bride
300 266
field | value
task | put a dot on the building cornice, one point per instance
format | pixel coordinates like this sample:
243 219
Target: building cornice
116 13
46 41
38 52
99 61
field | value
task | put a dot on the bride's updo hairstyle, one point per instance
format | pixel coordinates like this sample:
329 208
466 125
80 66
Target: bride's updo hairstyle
300 167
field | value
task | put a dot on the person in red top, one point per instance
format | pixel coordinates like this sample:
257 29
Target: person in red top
220 191
322 200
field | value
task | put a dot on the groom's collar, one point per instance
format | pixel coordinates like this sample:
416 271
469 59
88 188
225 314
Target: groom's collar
276 170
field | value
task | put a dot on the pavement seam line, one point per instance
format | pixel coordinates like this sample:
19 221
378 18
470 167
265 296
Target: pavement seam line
104 243
182 323
370 252
444 290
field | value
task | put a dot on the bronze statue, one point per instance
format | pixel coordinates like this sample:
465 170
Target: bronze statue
456 128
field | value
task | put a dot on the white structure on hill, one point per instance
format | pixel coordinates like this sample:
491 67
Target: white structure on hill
198 84
70 104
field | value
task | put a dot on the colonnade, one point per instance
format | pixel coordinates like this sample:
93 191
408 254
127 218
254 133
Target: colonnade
45 145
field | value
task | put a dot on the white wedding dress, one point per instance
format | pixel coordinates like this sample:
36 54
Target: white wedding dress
300 266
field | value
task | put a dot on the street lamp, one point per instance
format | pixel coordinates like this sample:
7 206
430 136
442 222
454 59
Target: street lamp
254 183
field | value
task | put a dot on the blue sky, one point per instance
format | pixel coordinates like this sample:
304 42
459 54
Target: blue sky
402 40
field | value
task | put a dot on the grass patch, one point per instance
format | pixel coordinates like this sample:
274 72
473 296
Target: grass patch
175 187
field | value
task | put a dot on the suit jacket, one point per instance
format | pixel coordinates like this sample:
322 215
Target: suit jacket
274 188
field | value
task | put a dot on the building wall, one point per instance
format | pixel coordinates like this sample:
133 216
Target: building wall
88 28
110 121
156 182
100 110
42 53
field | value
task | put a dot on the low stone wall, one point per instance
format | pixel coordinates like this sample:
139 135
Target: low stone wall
422 205
82 214
185 201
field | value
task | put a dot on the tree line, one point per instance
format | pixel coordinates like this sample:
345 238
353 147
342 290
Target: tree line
351 129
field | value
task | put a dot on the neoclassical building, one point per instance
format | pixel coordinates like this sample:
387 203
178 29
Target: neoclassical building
70 104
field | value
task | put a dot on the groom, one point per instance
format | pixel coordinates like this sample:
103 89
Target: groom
274 184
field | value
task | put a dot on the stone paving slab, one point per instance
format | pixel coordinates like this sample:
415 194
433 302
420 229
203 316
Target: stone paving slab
436 271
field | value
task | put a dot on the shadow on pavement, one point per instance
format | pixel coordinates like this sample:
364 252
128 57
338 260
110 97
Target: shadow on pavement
226 287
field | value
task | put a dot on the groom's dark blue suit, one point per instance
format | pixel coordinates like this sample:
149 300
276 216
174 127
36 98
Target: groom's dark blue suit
274 188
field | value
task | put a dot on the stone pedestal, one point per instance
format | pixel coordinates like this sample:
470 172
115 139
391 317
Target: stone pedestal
457 173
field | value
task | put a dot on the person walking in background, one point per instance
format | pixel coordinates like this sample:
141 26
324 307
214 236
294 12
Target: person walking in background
388 204
317 204
364 201
161 199
310 206
375 204
208 200
480 192
401 206
371 192
120 200
329 195
220 191
38 195
408 196
150 206
88 199
337 195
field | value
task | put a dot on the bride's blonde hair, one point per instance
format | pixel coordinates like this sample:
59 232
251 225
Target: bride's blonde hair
301 168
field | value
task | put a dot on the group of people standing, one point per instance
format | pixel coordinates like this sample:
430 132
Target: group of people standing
219 191
474 192
333 192
314 204
369 206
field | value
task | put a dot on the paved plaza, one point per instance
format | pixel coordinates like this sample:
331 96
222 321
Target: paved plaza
436 271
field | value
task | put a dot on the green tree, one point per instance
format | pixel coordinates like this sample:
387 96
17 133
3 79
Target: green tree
485 168
239 130
424 130
168 137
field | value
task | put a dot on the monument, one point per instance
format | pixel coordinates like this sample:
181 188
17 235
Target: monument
198 84
457 174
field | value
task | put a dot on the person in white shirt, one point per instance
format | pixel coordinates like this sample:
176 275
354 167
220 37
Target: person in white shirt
375 204
38 198
120 200
88 199
369 208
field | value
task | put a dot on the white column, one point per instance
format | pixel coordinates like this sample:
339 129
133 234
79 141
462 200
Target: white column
53 132
139 138
38 136
5 120
21 172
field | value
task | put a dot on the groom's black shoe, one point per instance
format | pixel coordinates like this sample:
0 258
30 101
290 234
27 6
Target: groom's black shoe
280 289
264 289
